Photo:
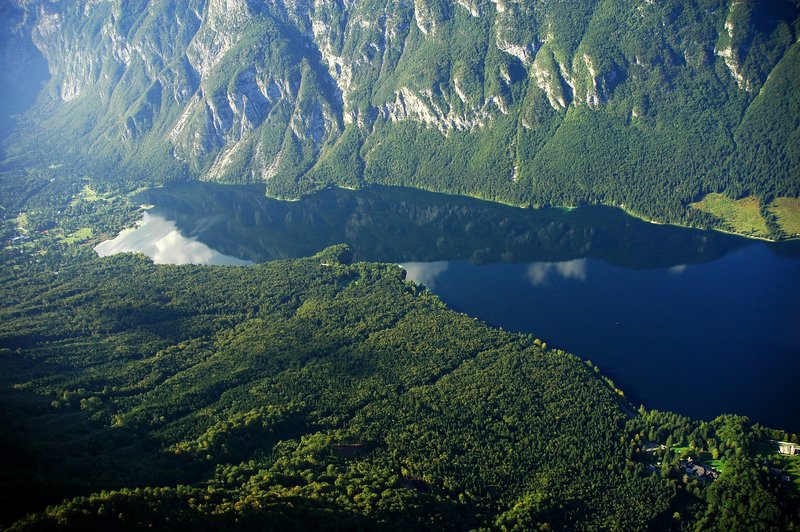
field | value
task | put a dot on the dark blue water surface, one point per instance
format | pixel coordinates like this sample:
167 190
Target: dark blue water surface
697 322
701 340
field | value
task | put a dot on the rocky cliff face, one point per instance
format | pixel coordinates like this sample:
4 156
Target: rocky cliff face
23 70
304 91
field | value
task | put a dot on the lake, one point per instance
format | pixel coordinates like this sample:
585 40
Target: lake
697 322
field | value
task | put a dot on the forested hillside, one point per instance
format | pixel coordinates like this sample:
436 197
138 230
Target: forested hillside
316 392
324 392
646 105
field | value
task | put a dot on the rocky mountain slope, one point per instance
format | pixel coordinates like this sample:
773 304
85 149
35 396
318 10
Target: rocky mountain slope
645 104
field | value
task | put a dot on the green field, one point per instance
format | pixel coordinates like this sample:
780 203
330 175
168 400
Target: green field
679 450
719 465
740 216
787 211
22 221
81 235
703 457
87 193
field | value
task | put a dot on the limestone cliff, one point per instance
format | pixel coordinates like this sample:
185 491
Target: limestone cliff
303 92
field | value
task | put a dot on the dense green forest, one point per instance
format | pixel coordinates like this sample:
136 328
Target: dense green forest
326 392
648 106
322 392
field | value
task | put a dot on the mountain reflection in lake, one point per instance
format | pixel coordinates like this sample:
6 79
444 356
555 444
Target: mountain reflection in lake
395 224
698 322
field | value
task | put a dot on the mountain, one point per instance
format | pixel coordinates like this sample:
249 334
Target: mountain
642 104
24 70
322 392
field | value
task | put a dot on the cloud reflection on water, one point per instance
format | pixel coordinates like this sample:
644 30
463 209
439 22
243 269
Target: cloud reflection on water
425 272
159 239
539 272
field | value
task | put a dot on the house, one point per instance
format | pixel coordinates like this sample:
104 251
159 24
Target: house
785 447
651 447
700 471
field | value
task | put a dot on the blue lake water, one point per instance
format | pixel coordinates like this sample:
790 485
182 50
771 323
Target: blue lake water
696 322
702 339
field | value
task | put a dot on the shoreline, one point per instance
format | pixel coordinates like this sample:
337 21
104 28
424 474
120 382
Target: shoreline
567 208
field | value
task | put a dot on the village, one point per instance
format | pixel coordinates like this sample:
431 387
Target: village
695 467
691 467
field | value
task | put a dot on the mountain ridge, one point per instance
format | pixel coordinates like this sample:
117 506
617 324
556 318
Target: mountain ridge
636 104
